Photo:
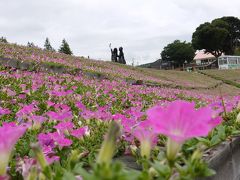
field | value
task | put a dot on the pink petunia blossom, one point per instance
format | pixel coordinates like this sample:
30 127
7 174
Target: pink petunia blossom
50 103
13 133
52 159
78 133
80 105
26 110
63 142
147 137
62 126
60 116
45 140
60 139
4 111
181 121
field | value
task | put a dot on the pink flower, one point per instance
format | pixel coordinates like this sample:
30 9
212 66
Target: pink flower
52 159
60 116
181 121
147 137
45 140
60 140
37 121
78 133
50 103
26 110
63 142
13 133
80 105
4 111
62 126
25 164
22 96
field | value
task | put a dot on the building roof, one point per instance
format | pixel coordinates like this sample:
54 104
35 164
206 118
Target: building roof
202 55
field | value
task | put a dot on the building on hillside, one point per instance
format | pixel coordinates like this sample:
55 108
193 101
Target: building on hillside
229 62
204 60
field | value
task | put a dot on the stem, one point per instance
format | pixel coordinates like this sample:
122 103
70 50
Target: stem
172 149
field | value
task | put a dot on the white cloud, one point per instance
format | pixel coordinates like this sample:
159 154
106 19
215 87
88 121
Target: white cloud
142 27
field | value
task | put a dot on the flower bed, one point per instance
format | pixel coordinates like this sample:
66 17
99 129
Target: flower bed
68 116
114 70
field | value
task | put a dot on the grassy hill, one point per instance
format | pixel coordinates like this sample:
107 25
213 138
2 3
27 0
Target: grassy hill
170 78
154 64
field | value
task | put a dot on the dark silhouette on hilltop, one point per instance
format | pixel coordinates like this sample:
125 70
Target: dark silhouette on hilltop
121 58
115 57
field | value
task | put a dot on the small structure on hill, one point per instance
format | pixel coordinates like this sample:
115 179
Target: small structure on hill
229 62
121 58
204 60
115 57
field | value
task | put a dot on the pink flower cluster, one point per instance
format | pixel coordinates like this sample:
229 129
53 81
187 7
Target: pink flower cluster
4 111
59 139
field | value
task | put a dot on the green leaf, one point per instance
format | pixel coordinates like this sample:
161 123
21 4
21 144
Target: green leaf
68 176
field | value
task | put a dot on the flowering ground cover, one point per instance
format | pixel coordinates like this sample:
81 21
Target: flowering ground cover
68 116
176 78
73 126
38 55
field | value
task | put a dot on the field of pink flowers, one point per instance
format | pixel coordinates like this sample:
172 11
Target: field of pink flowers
115 70
64 126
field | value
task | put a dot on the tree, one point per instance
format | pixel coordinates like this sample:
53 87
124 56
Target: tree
237 52
64 48
47 45
234 32
3 40
222 35
178 52
210 37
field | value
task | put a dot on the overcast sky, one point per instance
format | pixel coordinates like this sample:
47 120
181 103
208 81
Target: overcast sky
142 27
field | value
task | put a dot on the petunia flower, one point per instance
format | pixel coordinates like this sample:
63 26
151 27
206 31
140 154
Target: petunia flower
63 142
4 111
37 121
148 138
180 121
64 126
60 116
13 133
78 133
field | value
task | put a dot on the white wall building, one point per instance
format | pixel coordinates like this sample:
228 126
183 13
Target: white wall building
229 62
204 60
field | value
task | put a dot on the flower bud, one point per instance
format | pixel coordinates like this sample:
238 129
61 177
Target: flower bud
39 155
238 118
4 158
145 148
153 172
108 146
173 148
196 155
133 149
238 106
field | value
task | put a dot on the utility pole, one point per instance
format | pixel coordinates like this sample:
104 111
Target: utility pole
133 61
